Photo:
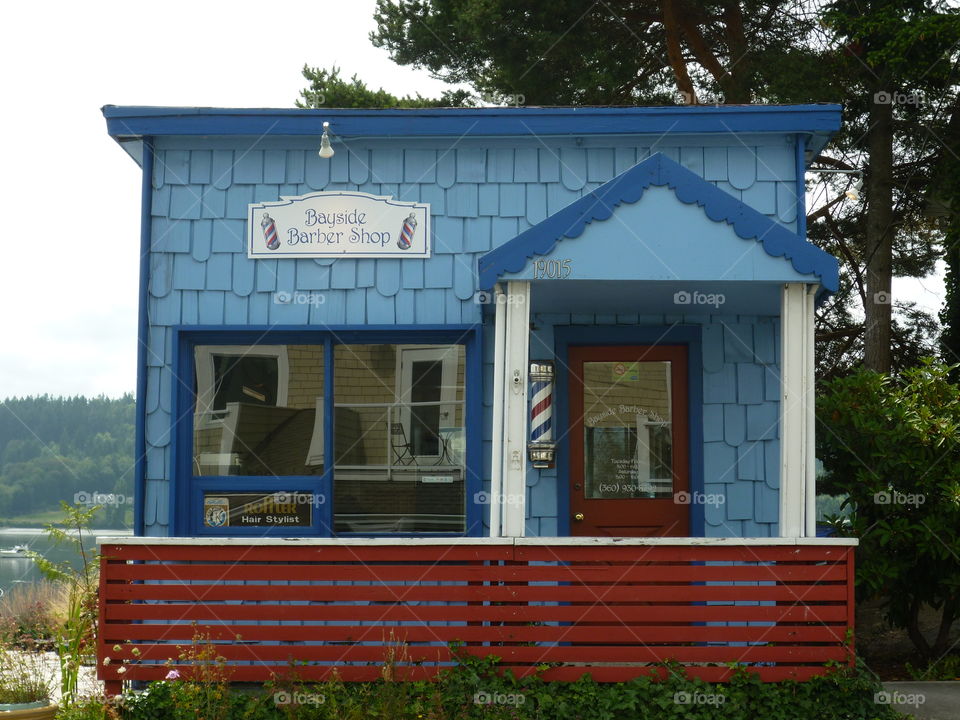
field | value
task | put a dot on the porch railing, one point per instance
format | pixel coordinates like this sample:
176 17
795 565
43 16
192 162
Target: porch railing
608 607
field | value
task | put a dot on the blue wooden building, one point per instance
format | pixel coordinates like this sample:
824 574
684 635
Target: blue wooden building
517 325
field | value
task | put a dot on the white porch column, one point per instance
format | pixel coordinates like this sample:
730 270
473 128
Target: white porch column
496 455
810 480
516 355
797 450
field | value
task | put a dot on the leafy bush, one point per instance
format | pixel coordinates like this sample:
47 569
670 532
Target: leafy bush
475 689
893 445
23 676
75 638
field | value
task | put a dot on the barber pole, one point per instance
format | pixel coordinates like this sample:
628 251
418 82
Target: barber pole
269 228
541 447
406 232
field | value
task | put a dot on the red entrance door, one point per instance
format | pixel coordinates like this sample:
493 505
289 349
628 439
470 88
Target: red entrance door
629 473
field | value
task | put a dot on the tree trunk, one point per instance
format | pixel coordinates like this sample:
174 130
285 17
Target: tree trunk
879 231
945 191
947 615
675 53
913 629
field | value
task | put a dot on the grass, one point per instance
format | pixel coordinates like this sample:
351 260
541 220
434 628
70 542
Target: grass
32 612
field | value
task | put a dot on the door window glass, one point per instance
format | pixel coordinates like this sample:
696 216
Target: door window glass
627 426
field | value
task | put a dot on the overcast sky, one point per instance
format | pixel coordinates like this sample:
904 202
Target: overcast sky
70 195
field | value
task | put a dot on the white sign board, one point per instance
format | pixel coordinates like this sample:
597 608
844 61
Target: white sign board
338 224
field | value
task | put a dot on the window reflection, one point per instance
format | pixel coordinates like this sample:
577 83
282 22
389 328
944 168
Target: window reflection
259 410
406 430
398 427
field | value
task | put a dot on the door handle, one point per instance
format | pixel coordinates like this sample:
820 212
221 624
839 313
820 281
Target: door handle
578 517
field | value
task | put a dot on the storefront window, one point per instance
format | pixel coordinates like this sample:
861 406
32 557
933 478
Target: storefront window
259 410
398 432
400 423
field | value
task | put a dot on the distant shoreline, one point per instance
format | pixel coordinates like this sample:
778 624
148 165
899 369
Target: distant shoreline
41 531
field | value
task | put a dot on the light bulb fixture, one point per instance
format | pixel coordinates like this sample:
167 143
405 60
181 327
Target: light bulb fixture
325 150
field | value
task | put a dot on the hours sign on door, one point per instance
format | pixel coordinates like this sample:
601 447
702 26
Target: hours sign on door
336 225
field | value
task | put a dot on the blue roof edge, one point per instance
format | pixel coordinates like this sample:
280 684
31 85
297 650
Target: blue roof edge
690 188
128 122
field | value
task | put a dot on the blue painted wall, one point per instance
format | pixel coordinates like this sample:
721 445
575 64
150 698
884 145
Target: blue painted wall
741 451
482 193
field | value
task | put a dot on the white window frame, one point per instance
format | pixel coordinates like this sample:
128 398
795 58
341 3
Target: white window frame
206 391
406 356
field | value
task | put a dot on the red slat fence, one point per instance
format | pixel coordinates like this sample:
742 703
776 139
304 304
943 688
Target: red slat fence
580 605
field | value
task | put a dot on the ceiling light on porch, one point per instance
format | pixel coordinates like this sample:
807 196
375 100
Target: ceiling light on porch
325 150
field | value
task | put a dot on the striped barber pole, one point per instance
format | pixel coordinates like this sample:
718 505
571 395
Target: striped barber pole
406 232
541 402
269 228
541 448
541 411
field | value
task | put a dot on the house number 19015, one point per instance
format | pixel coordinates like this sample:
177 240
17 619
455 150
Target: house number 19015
552 269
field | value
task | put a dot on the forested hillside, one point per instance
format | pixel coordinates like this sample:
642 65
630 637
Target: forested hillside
65 448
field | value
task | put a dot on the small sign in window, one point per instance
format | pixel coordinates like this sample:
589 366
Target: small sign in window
278 509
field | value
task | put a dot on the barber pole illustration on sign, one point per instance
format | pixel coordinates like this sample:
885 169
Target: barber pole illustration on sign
406 233
269 228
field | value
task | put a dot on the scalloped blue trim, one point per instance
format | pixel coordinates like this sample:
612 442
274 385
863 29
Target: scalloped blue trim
690 188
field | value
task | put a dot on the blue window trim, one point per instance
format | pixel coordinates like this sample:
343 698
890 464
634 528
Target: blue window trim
800 186
690 188
186 491
143 329
689 336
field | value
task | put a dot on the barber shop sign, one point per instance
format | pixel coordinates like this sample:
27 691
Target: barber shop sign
336 225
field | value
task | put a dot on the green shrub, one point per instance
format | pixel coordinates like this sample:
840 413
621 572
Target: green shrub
893 446
462 694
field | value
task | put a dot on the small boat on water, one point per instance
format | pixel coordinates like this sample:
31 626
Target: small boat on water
15 551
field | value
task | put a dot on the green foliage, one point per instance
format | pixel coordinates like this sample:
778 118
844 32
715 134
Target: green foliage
328 89
53 447
88 709
840 695
23 678
893 445
946 668
570 53
76 637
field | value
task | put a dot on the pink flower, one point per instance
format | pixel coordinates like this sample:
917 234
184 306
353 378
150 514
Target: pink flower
172 675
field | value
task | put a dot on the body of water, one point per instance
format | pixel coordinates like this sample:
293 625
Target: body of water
17 570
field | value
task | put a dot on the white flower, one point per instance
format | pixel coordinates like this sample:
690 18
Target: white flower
106 661
121 670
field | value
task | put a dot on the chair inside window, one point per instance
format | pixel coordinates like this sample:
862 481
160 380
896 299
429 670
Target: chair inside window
402 448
